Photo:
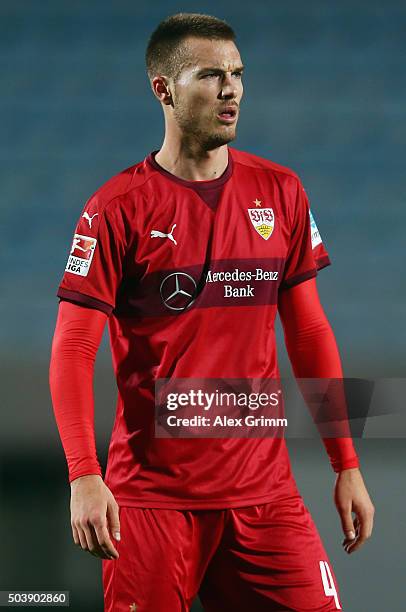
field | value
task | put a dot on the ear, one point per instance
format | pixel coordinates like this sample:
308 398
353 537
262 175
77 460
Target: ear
161 89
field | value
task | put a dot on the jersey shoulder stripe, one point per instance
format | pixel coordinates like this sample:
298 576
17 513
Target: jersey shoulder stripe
119 185
255 161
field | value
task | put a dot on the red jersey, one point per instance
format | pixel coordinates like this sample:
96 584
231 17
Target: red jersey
230 244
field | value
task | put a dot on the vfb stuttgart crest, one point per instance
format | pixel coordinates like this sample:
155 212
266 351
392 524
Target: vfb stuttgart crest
263 220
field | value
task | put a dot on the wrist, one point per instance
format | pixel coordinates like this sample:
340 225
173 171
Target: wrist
349 473
85 477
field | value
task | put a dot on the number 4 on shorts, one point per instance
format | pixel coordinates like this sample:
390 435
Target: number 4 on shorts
328 582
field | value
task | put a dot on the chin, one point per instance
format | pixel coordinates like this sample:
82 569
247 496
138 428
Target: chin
219 139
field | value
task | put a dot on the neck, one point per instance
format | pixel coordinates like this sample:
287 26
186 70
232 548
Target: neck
189 162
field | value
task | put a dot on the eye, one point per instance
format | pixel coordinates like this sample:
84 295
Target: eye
237 74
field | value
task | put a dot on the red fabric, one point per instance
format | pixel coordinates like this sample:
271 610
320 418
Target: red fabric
210 191
309 339
302 262
313 353
264 557
114 265
230 263
77 337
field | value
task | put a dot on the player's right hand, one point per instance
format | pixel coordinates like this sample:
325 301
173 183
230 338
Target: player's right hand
94 516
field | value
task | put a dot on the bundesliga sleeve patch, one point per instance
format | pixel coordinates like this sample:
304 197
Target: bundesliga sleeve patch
81 255
316 238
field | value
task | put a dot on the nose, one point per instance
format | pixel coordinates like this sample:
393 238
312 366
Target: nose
228 88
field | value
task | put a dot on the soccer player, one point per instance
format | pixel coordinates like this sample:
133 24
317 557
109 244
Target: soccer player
169 255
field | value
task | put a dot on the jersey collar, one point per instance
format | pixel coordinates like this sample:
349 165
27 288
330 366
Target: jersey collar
200 185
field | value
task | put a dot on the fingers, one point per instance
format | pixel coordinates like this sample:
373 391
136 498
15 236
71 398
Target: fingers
90 544
351 538
93 536
75 535
79 536
363 530
113 519
93 509
104 542
347 523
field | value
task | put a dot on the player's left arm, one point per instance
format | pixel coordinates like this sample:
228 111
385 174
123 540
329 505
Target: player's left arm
313 353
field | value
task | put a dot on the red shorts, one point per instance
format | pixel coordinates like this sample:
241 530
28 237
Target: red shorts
264 557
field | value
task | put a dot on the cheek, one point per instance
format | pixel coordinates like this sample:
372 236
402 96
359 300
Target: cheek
202 105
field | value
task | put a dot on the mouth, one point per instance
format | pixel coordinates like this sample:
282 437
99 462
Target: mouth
228 114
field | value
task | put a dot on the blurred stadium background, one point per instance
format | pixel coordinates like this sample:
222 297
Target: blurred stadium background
324 94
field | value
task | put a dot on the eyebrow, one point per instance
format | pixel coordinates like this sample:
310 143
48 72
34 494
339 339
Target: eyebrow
220 70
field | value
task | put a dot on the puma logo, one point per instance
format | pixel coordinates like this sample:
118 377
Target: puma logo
89 219
158 234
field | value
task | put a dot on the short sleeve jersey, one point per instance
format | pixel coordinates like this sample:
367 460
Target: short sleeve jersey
231 244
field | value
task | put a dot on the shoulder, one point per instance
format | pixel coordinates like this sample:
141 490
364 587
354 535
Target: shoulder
255 162
119 188
113 206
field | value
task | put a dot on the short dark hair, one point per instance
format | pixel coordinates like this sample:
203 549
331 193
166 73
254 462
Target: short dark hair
163 55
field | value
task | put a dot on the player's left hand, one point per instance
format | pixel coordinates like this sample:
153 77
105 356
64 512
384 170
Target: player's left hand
351 496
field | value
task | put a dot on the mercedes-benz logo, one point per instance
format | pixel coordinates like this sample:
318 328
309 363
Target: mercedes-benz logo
177 290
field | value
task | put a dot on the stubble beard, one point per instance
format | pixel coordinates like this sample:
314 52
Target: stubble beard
192 130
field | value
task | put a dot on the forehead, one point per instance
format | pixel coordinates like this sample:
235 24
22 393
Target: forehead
204 53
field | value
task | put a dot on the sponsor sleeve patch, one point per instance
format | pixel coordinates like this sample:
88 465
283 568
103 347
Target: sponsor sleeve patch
81 255
316 238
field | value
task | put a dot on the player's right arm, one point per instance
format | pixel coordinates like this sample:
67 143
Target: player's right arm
88 290
94 511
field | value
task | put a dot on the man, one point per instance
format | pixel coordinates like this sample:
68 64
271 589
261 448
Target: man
174 518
